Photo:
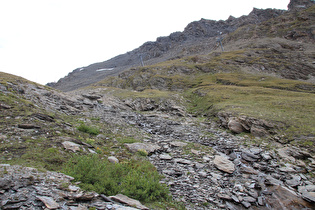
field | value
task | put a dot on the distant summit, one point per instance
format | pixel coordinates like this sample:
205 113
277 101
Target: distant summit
198 37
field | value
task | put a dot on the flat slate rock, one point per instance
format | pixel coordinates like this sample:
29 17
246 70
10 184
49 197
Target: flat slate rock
68 145
149 148
128 201
178 144
224 164
49 202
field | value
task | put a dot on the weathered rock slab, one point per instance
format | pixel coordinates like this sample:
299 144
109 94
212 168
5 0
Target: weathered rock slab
148 147
178 144
68 145
113 159
49 202
129 201
224 164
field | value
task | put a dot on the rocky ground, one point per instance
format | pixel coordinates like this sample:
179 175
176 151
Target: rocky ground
204 166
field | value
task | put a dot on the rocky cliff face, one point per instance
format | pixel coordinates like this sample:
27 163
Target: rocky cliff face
198 37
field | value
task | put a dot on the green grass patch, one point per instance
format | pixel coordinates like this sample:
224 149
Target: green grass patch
137 179
88 129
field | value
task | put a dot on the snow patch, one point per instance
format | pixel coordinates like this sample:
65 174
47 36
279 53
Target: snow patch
107 69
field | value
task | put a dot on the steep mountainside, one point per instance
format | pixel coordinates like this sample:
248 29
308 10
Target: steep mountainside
198 37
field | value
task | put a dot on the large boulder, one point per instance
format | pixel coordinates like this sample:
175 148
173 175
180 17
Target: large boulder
235 125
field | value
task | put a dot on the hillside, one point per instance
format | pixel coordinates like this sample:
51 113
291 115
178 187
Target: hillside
262 74
194 128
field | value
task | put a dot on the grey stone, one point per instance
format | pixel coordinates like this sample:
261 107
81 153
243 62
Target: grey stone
249 199
73 188
165 157
246 204
68 145
148 147
253 193
287 169
5 183
235 199
306 188
235 125
309 196
79 207
248 170
182 161
249 156
260 201
295 181
129 201
168 172
224 196
224 164
266 156
272 181
113 159
178 144
258 131
199 165
49 202
284 153
202 174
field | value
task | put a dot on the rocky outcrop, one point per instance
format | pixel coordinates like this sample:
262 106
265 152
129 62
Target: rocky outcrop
257 127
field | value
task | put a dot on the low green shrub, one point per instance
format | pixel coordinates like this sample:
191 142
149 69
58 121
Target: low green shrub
87 129
137 179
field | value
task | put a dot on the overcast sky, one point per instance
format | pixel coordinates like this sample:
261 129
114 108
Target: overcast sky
44 40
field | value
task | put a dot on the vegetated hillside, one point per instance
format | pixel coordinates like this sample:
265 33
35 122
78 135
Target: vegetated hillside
198 37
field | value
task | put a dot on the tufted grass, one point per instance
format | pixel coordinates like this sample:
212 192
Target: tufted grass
88 129
136 178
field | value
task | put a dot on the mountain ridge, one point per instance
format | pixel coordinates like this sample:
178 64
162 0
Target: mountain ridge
197 37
